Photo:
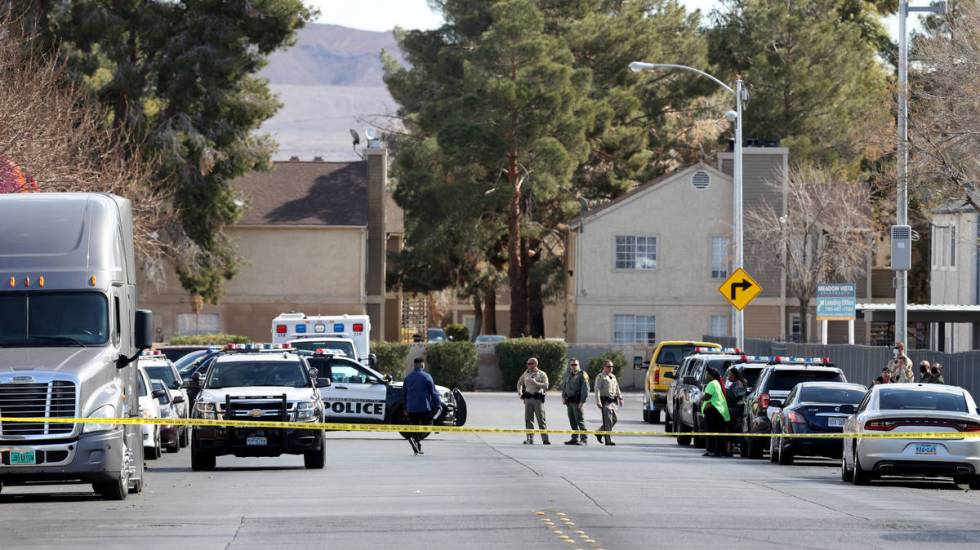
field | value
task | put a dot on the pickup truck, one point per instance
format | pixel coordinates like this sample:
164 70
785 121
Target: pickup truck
667 356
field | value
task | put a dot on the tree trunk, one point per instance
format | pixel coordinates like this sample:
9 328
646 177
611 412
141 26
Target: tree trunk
536 310
477 315
515 269
490 312
804 326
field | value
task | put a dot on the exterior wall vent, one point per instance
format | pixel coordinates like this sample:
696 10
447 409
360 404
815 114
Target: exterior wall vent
701 180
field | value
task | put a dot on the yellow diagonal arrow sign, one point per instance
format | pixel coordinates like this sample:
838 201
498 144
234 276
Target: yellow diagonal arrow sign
740 289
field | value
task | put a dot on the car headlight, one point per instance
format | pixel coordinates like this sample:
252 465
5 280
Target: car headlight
305 410
205 410
105 411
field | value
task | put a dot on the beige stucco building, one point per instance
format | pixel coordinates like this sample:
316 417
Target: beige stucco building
953 275
314 238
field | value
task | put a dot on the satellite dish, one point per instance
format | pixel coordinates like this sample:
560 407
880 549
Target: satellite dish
357 138
371 134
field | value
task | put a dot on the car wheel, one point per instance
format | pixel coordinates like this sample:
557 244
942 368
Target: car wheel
315 460
845 474
974 483
184 438
202 461
754 447
859 476
655 417
773 449
668 422
785 456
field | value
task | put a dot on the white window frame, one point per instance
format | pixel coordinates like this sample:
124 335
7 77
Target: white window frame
626 330
647 238
943 247
720 267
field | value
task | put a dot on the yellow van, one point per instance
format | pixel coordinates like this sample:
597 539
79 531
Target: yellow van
667 356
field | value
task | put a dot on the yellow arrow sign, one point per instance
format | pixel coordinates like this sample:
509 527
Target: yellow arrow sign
740 289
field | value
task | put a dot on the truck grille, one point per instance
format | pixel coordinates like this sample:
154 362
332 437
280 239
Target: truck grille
54 399
250 409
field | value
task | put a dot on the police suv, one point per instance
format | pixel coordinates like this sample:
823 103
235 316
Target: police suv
259 383
360 394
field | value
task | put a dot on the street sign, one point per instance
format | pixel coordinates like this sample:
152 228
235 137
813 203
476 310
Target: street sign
740 289
836 301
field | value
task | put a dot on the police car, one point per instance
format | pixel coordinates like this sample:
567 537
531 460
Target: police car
259 383
360 394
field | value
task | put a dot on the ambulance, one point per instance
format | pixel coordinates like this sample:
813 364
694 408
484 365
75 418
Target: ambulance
349 334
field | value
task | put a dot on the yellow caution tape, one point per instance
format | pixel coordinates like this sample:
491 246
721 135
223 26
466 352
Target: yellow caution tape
395 428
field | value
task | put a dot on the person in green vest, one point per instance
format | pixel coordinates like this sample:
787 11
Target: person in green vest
714 407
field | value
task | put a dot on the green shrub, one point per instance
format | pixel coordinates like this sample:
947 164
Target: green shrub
391 358
595 365
457 332
209 340
512 356
452 364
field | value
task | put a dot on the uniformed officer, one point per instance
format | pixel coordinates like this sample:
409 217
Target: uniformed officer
531 388
574 394
608 399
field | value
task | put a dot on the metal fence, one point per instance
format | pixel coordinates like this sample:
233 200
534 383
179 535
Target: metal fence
863 364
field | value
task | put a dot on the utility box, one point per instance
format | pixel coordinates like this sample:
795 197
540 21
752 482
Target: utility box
901 248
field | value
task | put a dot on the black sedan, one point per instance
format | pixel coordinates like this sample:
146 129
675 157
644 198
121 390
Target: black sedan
813 408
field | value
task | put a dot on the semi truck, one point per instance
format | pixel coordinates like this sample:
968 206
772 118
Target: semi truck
70 334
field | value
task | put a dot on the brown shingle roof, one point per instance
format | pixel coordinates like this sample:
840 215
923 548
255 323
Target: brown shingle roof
306 193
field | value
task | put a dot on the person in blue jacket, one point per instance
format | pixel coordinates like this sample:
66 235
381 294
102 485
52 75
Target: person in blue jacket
421 401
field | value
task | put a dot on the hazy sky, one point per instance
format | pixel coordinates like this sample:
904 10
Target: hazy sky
381 15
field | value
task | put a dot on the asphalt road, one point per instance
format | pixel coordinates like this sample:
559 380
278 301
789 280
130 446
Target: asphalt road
473 491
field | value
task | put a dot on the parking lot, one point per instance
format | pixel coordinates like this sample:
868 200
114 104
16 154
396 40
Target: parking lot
490 491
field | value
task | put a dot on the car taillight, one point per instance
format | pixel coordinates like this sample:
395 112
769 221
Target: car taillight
280 329
764 400
656 375
968 426
880 426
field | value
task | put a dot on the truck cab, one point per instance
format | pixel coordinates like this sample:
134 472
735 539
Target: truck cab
69 337
667 356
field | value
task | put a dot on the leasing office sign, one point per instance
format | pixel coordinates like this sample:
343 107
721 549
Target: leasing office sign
836 302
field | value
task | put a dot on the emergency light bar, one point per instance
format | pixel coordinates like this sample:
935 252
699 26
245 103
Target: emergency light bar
783 360
720 351
256 347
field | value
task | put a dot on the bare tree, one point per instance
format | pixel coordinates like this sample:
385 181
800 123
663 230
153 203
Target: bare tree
57 134
824 236
946 108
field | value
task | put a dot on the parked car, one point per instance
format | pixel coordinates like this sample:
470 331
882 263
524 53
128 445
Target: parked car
898 408
436 335
160 368
177 352
817 408
194 361
170 434
684 395
774 384
667 356
149 408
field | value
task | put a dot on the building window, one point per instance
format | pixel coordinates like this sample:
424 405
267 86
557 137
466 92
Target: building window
719 257
633 252
795 327
635 329
718 325
943 247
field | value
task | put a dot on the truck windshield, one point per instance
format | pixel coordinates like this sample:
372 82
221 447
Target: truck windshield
45 319
239 374
673 355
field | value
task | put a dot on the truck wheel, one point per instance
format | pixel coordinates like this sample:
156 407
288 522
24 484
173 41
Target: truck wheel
668 422
202 461
184 438
646 416
115 489
314 460
655 417
682 440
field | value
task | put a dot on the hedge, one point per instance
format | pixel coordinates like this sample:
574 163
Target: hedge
452 364
512 356
209 340
457 333
391 358
595 364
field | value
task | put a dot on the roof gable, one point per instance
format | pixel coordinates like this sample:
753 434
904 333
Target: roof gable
306 193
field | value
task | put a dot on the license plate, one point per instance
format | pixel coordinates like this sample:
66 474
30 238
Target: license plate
927 450
836 422
22 457
256 441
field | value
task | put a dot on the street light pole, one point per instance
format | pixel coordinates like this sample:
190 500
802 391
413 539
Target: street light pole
739 92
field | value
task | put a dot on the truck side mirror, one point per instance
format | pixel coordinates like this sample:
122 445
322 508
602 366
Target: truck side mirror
143 337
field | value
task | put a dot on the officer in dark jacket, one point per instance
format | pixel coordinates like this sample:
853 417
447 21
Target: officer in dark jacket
421 401
574 394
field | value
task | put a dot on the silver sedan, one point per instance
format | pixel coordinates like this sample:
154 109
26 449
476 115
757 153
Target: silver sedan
898 408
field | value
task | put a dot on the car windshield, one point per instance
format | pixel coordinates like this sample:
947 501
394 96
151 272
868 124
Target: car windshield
178 353
164 373
910 399
824 394
785 380
187 364
673 355
45 319
238 374
312 345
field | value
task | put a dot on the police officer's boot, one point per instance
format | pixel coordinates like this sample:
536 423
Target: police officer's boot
529 440
583 440
544 439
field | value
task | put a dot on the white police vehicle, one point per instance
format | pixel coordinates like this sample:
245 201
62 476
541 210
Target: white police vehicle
349 333
360 394
259 383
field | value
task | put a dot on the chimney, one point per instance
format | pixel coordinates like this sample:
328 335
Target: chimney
377 178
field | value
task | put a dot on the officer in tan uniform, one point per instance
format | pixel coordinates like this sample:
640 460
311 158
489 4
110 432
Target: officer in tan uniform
608 399
531 388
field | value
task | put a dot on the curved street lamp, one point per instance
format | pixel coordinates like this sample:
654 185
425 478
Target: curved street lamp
740 96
